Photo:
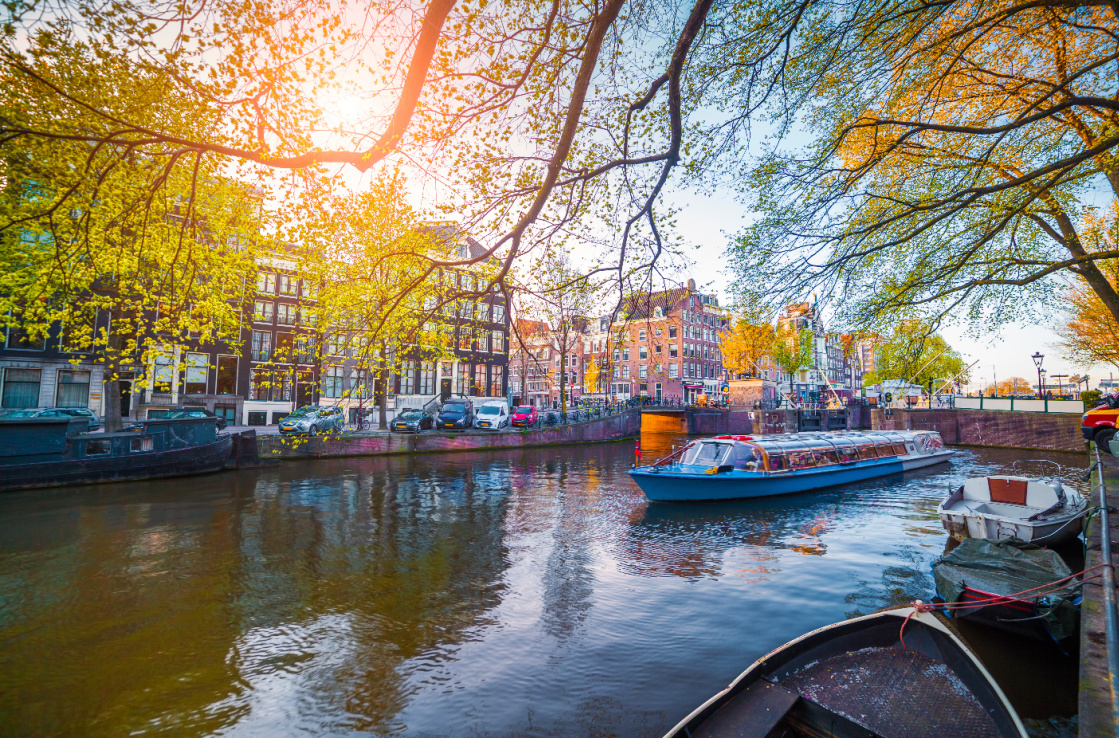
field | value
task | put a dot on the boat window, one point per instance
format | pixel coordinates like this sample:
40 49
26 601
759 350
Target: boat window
777 460
747 457
801 459
845 452
824 455
884 448
867 451
899 449
141 444
98 447
710 454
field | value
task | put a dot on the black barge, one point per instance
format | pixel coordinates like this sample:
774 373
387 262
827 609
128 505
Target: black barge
48 452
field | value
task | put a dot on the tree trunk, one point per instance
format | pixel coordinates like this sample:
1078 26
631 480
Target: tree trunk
563 382
112 420
382 410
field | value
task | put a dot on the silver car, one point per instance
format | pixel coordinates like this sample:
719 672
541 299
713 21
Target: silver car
313 420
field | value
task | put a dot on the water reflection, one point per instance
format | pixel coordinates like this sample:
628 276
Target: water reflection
515 592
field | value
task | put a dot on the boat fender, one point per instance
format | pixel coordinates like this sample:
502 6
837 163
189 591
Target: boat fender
720 469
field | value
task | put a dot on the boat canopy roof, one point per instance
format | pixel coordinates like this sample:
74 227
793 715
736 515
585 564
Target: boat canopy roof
801 450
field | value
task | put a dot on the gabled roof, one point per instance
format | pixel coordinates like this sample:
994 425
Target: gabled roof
641 307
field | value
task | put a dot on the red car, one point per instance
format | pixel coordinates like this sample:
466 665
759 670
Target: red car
524 415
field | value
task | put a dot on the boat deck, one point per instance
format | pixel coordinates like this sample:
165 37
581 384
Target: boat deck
910 694
887 691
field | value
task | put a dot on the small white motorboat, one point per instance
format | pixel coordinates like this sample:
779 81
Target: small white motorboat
1001 507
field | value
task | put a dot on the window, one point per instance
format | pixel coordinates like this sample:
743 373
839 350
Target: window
498 313
262 311
625 354
498 338
303 350
285 314
657 349
73 389
164 374
21 339
141 444
479 380
463 378
643 353
672 352
197 370
658 388
673 370
281 387
672 331
266 283
261 345
641 335
21 388
660 369
260 385
332 382
483 313
308 288
427 378
625 372
287 285
658 312
643 371
227 375
407 377
98 447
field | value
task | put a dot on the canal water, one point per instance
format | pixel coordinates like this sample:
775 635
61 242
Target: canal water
529 592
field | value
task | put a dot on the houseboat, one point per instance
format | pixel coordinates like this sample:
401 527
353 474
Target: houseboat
47 452
735 467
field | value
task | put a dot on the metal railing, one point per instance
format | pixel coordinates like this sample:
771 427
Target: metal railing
1111 614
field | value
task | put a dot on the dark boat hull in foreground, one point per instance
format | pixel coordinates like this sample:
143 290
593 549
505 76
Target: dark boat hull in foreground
48 455
855 678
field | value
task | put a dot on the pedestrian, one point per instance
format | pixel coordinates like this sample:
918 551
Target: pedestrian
637 453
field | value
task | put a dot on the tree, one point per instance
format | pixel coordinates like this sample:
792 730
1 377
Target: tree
565 300
380 303
945 175
745 346
792 348
913 353
1091 334
124 256
1012 386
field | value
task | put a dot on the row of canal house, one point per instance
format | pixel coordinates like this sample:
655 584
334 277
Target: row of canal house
665 345
277 366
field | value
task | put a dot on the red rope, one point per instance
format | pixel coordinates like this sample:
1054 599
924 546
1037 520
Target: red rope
1041 590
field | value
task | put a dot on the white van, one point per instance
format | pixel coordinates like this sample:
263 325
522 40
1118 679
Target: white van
492 415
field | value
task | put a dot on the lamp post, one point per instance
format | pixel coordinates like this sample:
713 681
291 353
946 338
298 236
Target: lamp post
1043 372
1038 357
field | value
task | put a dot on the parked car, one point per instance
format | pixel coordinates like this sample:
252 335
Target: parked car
188 412
524 415
456 414
1099 424
413 421
313 420
55 412
493 415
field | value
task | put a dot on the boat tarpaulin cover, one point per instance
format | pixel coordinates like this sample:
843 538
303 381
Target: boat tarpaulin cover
1008 567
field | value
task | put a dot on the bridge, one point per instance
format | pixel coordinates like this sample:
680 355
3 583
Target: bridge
738 420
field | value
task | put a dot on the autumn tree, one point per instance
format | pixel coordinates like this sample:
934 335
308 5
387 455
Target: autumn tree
1090 335
745 345
945 175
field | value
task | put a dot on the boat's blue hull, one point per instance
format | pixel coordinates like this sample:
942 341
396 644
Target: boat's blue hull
692 484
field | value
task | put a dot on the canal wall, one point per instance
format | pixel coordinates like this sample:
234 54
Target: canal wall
613 428
1003 429
697 421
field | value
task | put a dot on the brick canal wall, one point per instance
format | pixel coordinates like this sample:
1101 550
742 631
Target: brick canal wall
1004 429
624 425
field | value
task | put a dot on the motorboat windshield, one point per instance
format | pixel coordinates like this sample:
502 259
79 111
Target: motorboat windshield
707 453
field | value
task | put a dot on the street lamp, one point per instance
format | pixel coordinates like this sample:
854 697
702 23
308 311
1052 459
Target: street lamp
1038 357
1043 373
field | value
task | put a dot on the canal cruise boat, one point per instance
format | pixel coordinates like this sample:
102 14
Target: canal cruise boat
736 467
